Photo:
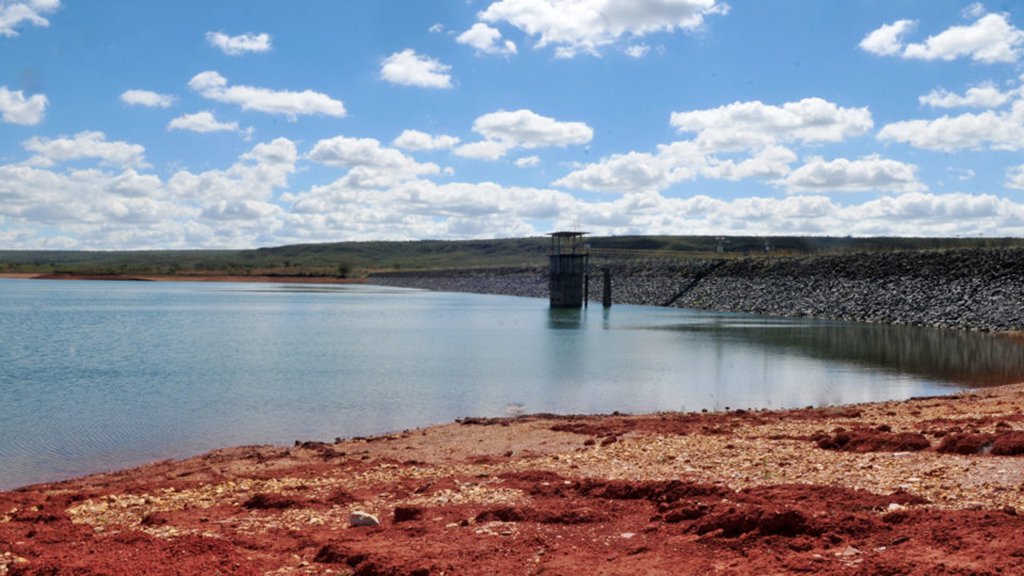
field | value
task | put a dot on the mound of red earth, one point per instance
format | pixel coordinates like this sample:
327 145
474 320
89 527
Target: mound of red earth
928 486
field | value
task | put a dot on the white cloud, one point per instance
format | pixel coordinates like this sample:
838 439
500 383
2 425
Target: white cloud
423 209
528 129
574 26
976 10
768 162
370 164
869 174
100 209
486 40
1015 177
504 131
201 122
131 184
83 201
528 161
743 125
17 109
416 140
147 98
213 86
999 131
990 39
637 50
985 95
962 174
909 214
483 150
254 177
48 152
238 45
888 39
631 172
240 210
637 172
280 152
411 69
30 12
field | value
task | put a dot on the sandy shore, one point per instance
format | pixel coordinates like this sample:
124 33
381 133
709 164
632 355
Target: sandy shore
924 486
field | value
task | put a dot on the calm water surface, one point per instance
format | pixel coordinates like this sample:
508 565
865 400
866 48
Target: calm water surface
100 375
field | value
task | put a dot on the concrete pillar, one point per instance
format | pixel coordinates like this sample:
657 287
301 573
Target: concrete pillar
606 295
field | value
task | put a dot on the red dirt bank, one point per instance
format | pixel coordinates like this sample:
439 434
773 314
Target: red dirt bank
871 489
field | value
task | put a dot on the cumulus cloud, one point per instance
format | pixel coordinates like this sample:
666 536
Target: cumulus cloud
1015 177
238 45
416 140
631 172
483 150
17 13
84 201
505 130
995 130
888 39
419 208
248 203
744 140
868 174
575 26
742 125
147 98
213 86
907 214
637 172
84 145
486 40
202 122
254 177
16 109
990 39
637 50
985 95
127 209
411 69
528 161
240 210
370 164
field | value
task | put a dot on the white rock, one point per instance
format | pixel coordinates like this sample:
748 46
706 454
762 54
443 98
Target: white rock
359 518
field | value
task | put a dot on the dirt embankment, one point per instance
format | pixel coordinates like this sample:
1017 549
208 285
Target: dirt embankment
922 487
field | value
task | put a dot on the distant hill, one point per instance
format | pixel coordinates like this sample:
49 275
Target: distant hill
360 258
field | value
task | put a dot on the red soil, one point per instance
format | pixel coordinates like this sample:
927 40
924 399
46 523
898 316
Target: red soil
551 495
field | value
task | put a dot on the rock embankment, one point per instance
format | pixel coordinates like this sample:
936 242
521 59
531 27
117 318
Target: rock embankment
965 289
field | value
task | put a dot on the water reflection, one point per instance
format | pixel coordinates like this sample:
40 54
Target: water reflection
565 318
957 357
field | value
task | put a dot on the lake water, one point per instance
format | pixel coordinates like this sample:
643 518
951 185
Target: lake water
102 375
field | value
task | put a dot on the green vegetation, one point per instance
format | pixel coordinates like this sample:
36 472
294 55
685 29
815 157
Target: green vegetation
343 259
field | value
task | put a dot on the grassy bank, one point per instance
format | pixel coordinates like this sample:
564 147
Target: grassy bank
344 259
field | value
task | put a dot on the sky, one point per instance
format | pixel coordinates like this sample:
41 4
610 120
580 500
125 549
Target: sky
249 123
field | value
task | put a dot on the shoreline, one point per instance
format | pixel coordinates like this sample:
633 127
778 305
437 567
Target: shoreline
187 278
910 487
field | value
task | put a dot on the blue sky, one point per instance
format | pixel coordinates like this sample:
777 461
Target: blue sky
237 124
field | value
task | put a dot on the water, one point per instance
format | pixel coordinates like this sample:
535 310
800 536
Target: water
102 375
